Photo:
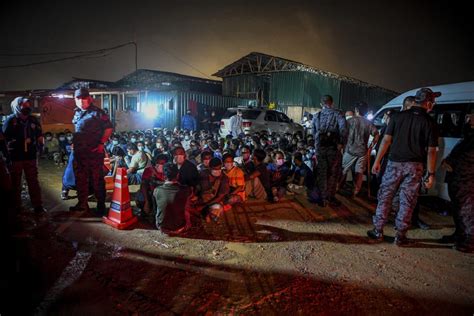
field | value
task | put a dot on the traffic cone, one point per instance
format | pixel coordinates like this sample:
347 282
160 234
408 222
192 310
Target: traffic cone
120 213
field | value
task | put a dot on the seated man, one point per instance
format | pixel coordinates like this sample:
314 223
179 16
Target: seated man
258 183
244 162
138 162
51 145
278 175
302 178
188 174
152 177
172 203
205 159
213 188
236 180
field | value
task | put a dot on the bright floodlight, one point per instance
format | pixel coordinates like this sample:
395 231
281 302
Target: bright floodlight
151 112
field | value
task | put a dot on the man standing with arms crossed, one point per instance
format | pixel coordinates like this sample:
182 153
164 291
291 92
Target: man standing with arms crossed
93 129
412 136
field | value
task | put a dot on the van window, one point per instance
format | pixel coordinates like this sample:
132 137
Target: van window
451 119
377 121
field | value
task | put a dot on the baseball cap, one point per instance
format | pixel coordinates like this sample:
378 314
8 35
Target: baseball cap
426 94
80 93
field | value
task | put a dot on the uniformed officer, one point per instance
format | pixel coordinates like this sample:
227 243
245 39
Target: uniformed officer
92 129
330 136
412 137
24 138
460 164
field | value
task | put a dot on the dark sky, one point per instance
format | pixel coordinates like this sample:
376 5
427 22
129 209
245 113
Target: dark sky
398 45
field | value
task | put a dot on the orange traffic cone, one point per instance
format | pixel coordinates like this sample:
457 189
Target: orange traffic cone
120 213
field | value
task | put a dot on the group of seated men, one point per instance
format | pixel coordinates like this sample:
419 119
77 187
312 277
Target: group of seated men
182 175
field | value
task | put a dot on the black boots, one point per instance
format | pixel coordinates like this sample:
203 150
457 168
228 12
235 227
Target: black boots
375 234
79 208
465 244
400 239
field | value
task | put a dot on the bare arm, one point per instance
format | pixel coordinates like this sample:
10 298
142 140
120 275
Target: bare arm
431 163
386 142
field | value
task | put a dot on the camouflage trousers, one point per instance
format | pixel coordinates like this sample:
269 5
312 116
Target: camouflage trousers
405 178
461 194
328 171
89 169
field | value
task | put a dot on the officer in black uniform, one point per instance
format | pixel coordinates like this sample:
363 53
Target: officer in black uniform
460 179
412 137
24 137
92 129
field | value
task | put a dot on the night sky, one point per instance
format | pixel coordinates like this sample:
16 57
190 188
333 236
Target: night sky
398 46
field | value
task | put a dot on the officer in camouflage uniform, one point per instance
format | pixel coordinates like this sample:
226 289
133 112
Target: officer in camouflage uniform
92 129
330 136
412 137
460 164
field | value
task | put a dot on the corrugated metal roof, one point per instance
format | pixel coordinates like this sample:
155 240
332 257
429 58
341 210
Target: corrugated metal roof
256 62
167 81
77 83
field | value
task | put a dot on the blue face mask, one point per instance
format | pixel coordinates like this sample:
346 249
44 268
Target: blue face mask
133 140
115 142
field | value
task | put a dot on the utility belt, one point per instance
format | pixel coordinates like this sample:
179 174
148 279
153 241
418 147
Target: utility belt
328 139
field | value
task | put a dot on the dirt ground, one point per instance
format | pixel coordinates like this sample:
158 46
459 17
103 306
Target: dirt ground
291 257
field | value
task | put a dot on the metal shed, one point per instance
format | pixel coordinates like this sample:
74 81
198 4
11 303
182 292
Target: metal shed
295 87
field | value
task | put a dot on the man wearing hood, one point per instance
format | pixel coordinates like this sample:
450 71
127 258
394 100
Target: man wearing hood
24 139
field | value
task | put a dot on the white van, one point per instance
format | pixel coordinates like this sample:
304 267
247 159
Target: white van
450 111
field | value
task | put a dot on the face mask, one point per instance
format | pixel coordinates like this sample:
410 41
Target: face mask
216 173
83 104
228 165
141 139
186 138
168 138
69 137
25 111
133 140
115 142
280 162
140 148
159 145
49 138
179 159
61 139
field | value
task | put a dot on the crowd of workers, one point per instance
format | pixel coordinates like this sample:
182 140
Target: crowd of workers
189 173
